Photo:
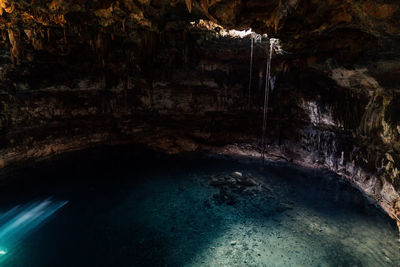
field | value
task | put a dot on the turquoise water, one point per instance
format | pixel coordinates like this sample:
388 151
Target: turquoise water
125 206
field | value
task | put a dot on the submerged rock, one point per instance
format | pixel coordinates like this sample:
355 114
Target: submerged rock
232 187
282 207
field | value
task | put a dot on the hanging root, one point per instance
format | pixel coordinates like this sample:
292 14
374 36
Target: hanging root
266 100
274 46
255 38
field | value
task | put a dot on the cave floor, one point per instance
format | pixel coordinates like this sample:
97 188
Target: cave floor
133 207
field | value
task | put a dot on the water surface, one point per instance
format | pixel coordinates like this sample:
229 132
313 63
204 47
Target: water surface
126 206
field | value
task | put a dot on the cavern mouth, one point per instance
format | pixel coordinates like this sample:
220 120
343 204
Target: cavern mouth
131 206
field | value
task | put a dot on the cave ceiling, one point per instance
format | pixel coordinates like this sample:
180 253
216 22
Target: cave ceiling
290 20
127 33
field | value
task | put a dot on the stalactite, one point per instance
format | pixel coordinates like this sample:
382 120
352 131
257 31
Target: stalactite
189 5
125 94
204 4
14 38
65 36
48 34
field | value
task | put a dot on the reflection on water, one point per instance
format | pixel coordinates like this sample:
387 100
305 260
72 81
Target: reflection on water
18 222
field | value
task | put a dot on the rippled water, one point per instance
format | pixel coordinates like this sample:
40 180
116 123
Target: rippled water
130 207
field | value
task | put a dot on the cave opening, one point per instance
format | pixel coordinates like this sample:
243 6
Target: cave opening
132 133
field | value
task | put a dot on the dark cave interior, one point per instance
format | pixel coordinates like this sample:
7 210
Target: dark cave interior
96 95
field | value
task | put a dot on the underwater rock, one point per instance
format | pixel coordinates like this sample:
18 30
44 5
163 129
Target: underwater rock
282 207
232 187
224 197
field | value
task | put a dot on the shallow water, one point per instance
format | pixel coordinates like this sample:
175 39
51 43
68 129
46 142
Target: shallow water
131 207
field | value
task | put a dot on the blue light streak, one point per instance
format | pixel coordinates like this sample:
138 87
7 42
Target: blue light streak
20 221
